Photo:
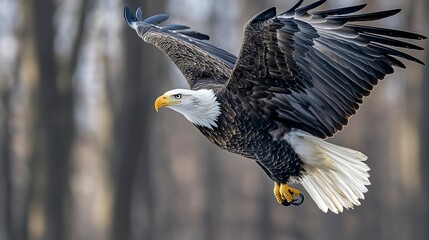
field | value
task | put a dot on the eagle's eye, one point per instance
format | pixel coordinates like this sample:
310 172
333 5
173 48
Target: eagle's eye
178 96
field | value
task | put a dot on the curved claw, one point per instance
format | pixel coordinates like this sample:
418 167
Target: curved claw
296 201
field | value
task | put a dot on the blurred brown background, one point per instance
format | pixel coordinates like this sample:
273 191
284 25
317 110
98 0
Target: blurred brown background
83 154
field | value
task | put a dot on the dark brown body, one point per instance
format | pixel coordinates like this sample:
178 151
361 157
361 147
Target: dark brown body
256 137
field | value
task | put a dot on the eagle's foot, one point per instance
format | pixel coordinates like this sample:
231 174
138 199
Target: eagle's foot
286 195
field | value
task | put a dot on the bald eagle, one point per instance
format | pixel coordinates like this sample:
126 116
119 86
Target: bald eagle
299 76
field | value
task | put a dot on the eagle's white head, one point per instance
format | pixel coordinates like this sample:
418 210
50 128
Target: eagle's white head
200 107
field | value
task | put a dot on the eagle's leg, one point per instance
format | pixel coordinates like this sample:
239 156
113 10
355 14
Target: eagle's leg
277 193
287 195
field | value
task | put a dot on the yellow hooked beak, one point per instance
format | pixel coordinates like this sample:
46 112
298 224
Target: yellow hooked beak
163 101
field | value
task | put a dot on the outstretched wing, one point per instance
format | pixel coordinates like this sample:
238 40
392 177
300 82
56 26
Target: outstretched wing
311 70
196 59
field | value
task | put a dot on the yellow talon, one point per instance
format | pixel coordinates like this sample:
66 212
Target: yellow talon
287 195
288 192
277 194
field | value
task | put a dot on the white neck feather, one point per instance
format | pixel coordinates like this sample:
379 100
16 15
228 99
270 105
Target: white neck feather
199 107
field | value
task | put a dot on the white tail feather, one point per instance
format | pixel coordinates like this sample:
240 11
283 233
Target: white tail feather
335 176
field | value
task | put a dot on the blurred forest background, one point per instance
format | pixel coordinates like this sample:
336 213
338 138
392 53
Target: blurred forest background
83 154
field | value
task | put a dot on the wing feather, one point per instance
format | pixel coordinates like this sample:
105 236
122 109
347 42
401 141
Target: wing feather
304 10
305 68
188 49
316 66
385 32
364 17
339 11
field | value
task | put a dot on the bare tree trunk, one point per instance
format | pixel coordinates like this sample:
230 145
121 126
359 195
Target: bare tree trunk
128 136
213 193
5 180
424 152
54 126
424 163
25 59
131 131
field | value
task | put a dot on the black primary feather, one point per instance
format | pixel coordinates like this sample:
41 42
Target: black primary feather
339 11
292 9
304 10
156 19
303 51
128 16
139 14
175 27
365 16
264 15
386 32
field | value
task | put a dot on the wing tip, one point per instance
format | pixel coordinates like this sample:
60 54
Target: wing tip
420 37
292 9
305 9
264 15
128 16
132 20
139 14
